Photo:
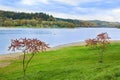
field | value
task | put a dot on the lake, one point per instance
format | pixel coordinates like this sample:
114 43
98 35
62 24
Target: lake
53 37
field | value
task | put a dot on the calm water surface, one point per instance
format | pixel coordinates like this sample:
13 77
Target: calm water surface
53 37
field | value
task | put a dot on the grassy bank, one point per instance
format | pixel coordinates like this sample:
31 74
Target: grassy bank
70 63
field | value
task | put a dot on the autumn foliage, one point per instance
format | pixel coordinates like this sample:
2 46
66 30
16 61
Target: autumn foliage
100 41
28 46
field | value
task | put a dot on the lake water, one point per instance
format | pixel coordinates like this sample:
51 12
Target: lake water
53 37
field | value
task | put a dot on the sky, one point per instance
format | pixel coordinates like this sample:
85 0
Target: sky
105 10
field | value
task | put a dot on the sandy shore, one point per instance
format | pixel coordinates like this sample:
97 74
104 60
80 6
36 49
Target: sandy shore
5 59
66 45
76 44
9 56
14 56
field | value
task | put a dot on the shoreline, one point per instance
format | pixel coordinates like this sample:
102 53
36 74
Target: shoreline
17 54
80 43
5 59
12 56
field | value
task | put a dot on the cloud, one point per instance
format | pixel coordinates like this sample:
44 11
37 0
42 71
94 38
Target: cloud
105 15
2 7
9 8
117 10
116 14
33 2
75 2
68 2
91 14
73 9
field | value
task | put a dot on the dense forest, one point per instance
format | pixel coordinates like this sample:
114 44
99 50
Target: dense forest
43 20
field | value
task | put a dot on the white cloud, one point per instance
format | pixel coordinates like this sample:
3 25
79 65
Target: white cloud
69 2
92 14
33 2
117 10
86 10
116 14
8 8
76 2
104 15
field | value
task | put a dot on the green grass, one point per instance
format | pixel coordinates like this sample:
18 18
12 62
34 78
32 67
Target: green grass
70 63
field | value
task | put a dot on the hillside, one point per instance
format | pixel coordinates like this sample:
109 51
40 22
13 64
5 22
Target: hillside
105 23
90 23
43 20
70 63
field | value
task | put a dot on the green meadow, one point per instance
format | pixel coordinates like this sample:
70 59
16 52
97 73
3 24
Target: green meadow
68 63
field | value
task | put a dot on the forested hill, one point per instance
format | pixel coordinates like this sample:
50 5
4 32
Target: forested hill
22 19
91 23
22 15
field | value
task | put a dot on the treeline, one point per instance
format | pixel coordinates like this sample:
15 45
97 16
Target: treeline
90 23
22 15
35 23
22 19
118 26
79 23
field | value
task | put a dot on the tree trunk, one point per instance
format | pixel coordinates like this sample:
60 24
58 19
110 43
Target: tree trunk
24 56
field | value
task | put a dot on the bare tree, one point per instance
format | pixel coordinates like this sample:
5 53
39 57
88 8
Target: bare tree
25 45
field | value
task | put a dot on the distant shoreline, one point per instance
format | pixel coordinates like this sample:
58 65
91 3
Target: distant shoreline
10 27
